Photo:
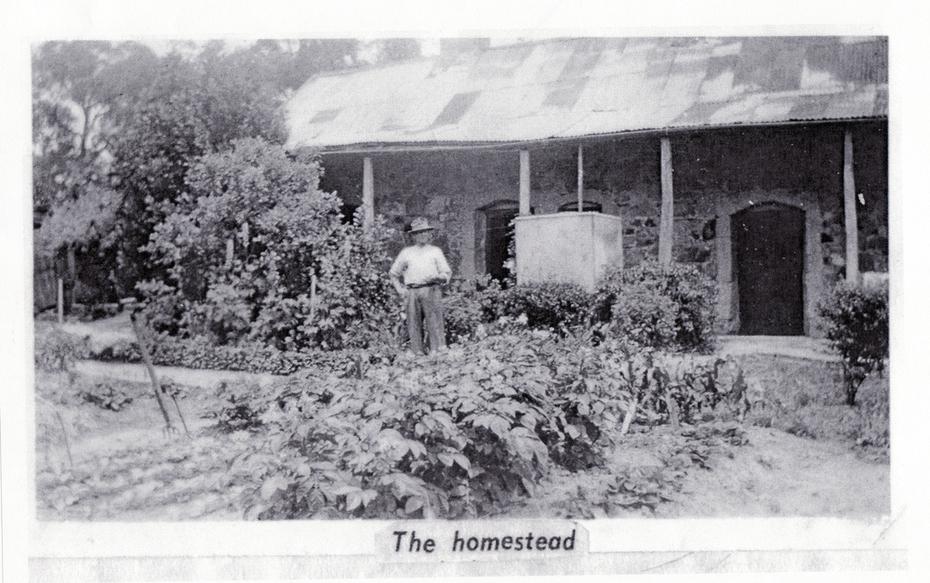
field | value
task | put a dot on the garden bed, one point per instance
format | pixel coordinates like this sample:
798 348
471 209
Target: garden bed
795 454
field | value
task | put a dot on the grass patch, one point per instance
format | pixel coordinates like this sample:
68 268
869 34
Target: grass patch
806 398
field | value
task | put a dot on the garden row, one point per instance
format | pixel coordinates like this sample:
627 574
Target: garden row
467 432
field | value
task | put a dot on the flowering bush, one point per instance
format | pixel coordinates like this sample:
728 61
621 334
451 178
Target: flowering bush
244 247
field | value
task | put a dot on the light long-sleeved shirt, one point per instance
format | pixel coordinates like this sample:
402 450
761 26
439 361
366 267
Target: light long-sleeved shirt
418 264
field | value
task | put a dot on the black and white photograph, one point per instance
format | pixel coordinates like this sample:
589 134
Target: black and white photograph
568 277
502 296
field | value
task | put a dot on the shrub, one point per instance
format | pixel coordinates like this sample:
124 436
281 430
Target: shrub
285 234
462 433
462 312
252 358
106 396
692 293
56 350
643 316
236 413
459 434
553 306
469 306
856 322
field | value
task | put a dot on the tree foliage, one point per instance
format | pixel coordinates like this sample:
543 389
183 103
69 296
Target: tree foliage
398 49
285 233
117 118
83 92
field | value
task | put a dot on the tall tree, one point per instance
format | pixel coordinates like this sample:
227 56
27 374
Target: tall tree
82 94
288 64
398 49
115 116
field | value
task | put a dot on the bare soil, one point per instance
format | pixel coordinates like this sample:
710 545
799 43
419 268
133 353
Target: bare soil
778 474
775 474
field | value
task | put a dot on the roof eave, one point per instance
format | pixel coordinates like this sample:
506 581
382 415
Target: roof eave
424 146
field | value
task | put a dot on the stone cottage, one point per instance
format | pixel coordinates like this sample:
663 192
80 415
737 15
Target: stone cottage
761 160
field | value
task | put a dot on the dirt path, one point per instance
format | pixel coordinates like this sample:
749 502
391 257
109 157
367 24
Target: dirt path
775 474
135 372
804 347
778 474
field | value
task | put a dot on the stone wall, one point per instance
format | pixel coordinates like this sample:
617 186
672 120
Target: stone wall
713 169
870 152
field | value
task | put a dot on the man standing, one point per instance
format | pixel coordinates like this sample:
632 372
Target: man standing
417 273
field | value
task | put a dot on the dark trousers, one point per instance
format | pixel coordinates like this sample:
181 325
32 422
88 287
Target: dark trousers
425 304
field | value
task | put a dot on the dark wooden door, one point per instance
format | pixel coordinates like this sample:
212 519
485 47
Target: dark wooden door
768 242
498 236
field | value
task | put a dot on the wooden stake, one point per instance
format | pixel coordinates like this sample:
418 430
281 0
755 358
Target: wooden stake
230 248
312 297
180 415
61 300
64 434
674 415
147 359
628 418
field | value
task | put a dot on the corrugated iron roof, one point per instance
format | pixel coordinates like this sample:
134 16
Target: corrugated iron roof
570 88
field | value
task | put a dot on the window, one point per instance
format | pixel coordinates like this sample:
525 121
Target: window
587 206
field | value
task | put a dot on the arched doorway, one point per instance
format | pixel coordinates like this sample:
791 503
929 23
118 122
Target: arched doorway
768 253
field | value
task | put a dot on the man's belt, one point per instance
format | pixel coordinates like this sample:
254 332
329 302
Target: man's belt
419 285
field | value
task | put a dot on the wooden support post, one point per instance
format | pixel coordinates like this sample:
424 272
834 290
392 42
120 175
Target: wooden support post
524 182
849 205
667 220
368 192
71 278
580 178
61 301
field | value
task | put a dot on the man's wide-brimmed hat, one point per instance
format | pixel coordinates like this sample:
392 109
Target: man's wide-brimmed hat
419 224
